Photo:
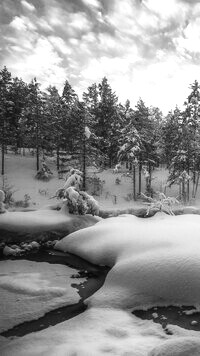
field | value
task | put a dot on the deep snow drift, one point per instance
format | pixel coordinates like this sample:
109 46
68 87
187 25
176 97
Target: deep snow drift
30 289
155 261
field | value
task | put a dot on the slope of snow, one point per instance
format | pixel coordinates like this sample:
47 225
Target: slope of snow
30 289
155 261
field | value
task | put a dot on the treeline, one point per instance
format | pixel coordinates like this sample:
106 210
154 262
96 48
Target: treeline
52 122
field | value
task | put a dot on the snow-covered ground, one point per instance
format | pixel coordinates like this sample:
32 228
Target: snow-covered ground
154 262
20 172
30 289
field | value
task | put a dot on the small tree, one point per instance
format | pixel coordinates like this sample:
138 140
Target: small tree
77 201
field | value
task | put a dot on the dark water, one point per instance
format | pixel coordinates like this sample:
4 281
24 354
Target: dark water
171 315
95 278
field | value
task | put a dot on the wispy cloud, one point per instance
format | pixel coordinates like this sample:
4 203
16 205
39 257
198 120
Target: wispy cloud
146 48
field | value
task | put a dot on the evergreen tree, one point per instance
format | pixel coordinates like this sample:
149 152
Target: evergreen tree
69 125
33 118
192 133
55 138
171 135
107 117
6 109
18 93
143 126
131 147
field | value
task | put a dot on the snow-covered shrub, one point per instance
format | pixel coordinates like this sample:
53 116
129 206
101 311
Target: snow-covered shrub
77 201
92 204
117 168
2 205
74 179
8 191
23 203
160 203
44 173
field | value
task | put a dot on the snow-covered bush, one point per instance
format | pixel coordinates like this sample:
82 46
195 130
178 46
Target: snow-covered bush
160 203
23 203
8 191
74 179
2 205
44 173
77 201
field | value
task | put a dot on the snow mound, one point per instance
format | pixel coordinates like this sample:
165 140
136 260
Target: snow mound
184 346
156 261
30 289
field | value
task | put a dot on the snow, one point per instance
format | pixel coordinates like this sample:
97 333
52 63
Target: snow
179 347
20 172
156 261
44 220
95 332
87 132
29 289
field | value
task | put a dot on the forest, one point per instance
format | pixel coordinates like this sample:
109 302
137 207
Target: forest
101 131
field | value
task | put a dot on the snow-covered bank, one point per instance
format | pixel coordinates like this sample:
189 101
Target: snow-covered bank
19 226
29 289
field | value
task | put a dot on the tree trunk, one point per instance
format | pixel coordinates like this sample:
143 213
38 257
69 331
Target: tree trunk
134 185
3 151
84 164
180 191
140 177
193 184
37 158
197 183
2 157
188 185
57 158
183 192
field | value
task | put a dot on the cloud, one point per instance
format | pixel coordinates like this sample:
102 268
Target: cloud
27 5
93 3
147 48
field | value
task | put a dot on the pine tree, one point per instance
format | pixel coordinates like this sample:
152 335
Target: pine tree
131 147
179 167
55 138
69 124
192 134
6 109
107 117
143 126
33 118
18 93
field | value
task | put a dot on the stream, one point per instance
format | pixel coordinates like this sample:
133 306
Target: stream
95 278
95 275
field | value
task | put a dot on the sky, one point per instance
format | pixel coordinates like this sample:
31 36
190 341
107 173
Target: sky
146 48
